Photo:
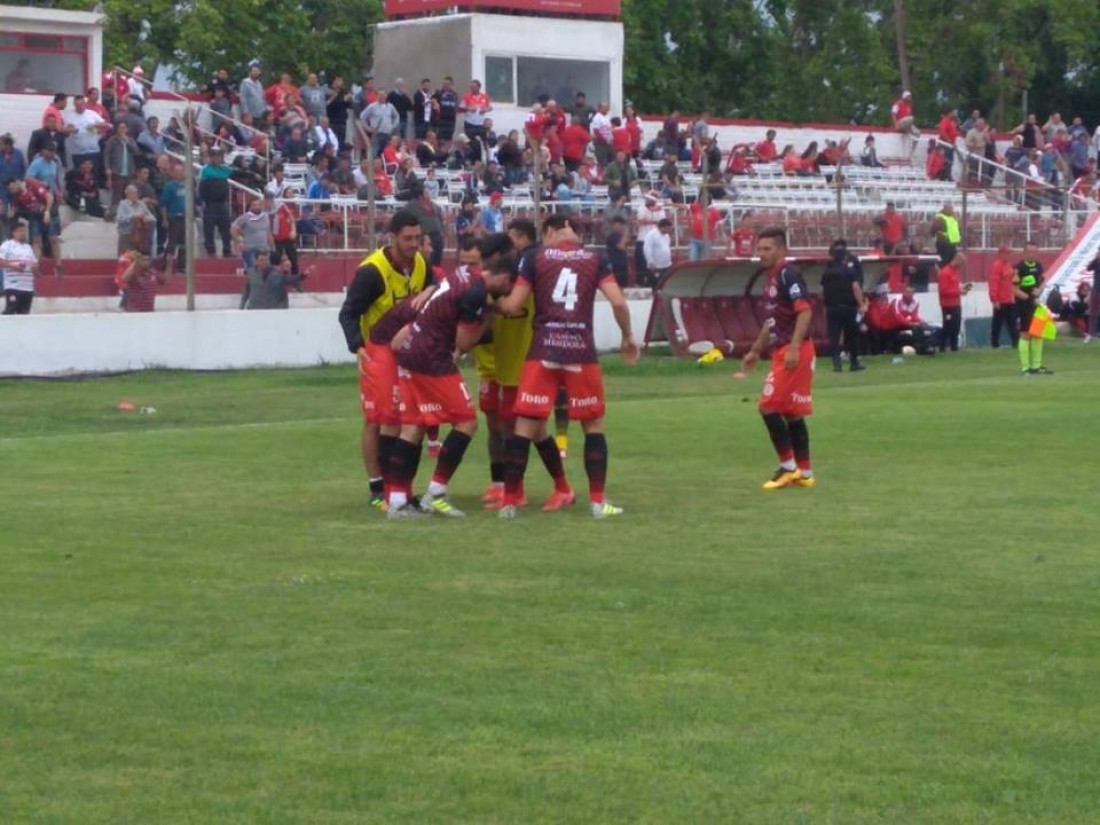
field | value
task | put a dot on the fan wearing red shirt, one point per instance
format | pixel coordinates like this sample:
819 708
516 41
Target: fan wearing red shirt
634 127
475 105
892 225
620 138
142 280
564 278
284 231
699 248
574 144
902 112
787 397
948 132
765 149
951 291
431 387
1003 298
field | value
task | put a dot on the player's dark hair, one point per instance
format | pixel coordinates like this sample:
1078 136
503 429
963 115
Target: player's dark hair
402 219
775 233
525 227
555 223
496 244
60 97
506 265
468 243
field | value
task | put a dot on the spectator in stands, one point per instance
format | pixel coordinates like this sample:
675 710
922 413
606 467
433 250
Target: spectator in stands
424 108
214 192
792 163
615 245
574 139
321 189
869 156
601 129
50 133
703 235
492 218
1002 297
1030 132
46 169
951 291
142 279
582 112
1079 154
266 284
251 231
18 267
620 176
810 157
295 148
646 218
405 181
891 224
445 112
431 222
173 210
842 290
380 120
948 132
468 223
765 150
134 221
670 183
56 109
1033 181
428 152
253 101
475 105
402 104
151 139
633 126
658 251
32 201
13 166
284 234
325 136
85 128
120 158
902 113
81 192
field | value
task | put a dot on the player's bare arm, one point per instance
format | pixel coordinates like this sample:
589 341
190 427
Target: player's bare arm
758 346
512 305
469 335
401 337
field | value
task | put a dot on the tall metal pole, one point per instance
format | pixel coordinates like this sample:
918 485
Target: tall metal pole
372 213
838 178
189 211
536 184
704 199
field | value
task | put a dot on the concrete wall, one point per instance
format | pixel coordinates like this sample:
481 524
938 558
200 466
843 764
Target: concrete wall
430 47
94 342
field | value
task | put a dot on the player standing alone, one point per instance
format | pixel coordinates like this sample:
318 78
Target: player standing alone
564 278
787 397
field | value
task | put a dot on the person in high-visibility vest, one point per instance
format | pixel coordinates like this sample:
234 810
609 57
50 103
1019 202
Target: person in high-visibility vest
945 226
388 288
1027 284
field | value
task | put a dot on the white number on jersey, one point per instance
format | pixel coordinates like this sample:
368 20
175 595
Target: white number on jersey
565 290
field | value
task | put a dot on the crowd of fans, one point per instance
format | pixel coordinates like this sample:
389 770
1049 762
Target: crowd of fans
304 146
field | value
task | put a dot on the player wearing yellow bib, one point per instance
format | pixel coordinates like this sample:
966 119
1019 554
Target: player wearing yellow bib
511 340
387 287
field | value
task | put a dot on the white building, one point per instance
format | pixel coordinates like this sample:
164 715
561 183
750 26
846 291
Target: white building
517 59
42 52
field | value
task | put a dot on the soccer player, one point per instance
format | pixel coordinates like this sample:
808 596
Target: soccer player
484 253
395 273
511 341
787 397
432 389
1027 284
564 278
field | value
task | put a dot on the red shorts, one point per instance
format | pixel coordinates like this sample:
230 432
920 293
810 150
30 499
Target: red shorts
429 400
540 383
790 392
507 408
488 396
378 385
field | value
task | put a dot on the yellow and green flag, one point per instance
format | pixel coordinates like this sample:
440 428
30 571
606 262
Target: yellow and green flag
1042 324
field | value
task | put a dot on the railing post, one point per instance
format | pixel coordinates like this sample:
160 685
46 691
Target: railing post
189 219
966 192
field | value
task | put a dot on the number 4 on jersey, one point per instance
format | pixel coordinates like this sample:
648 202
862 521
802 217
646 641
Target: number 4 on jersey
565 290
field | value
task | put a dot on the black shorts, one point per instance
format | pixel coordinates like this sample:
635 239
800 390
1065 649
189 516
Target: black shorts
946 250
17 302
1024 312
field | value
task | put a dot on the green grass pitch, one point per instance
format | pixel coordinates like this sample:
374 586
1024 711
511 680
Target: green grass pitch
202 622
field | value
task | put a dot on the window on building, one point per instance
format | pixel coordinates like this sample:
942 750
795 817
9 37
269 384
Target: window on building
561 80
500 79
43 63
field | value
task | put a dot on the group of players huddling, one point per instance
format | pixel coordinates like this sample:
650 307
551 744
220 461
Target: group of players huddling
526 311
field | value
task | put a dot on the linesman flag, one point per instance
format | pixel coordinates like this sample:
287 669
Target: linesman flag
1042 324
